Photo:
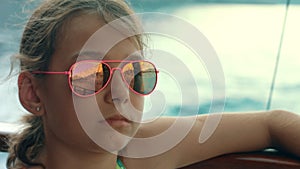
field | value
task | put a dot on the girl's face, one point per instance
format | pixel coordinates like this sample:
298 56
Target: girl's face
64 111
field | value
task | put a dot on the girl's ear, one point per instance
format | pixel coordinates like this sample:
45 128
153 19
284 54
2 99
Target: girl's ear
28 94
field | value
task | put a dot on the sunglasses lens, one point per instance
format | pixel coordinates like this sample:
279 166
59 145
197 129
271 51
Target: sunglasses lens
140 76
88 77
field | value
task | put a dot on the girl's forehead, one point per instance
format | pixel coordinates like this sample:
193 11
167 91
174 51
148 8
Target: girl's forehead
72 45
78 28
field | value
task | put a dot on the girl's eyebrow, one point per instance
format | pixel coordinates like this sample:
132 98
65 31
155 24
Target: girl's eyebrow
92 55
135 56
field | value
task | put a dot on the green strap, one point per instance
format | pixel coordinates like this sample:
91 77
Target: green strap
120 165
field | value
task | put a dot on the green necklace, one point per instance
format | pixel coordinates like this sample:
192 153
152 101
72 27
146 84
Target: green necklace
120 165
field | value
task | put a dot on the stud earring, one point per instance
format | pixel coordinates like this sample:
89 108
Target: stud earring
38 108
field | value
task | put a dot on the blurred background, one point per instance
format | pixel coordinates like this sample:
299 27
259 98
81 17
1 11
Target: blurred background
245 34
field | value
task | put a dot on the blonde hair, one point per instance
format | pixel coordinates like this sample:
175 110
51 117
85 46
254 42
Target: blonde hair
38 45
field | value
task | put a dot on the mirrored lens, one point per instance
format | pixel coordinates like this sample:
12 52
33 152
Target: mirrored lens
140 76
89 77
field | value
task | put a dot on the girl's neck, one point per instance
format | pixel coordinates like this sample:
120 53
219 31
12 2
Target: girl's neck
62 157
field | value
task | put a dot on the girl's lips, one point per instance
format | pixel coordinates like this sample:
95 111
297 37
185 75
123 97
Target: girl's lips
118 121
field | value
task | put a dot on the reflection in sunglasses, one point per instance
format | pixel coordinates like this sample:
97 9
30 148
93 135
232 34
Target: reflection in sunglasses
140 76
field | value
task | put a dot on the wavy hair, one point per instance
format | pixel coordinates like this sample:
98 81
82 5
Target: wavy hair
38 45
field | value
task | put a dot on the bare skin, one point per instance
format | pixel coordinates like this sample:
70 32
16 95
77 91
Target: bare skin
68 146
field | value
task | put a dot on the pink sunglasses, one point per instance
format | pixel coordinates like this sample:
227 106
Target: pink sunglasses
89 77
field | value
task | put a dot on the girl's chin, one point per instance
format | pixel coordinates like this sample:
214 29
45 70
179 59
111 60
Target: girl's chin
116 139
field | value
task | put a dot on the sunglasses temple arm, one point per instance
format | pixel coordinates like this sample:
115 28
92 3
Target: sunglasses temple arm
51 73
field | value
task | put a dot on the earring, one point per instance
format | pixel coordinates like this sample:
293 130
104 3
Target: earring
38 108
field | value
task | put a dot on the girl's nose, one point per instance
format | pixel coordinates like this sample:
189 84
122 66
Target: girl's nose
119 90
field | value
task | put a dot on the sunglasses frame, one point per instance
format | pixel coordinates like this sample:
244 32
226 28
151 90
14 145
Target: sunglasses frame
111 69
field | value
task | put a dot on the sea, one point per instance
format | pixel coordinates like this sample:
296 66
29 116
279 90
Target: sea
244 40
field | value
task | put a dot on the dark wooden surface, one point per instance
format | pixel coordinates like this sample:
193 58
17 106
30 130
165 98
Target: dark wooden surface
255 160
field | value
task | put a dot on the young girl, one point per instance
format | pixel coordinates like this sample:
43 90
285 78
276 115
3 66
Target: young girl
60 86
